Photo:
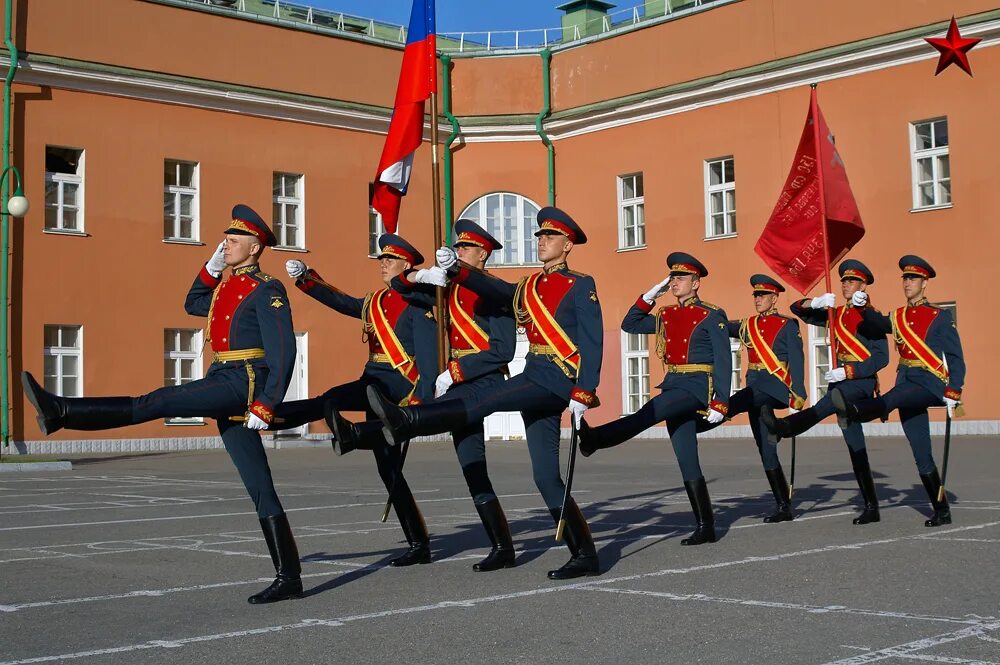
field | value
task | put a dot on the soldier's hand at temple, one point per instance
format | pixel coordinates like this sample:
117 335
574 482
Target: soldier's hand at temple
446 257
655 292
952 404
859 299
715 417
577 410
825 301
295 268
217 263
442 383
836 374
434 276
253 422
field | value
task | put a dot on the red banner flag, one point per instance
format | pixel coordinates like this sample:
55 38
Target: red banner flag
799 242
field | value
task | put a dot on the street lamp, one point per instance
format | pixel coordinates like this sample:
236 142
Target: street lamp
17 205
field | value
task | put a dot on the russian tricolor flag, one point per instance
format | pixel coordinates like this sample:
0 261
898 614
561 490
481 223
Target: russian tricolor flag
417 80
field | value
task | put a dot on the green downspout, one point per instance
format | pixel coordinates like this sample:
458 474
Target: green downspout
546 109
5 229
449 191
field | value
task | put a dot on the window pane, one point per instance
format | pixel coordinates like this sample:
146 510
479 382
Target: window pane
944 166
927 194
923 136
731 222
715 198
292 236
628 188
187 228
71 337
730 171
49 370
70 193
925 170
169 173
51 193
71 365
944 192
187 340
187 369
186 175
940 133
715 173
718 225
731 200
276 185
62 160
276 215
638 185
187 204
69 386
51 336
169 372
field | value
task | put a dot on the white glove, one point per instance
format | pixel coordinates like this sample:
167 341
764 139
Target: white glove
952 404
792 410
217 263
253 422
295 268
715 417
446 257
434 276
576 410
442 383
835 375
825 301
859 299
655 292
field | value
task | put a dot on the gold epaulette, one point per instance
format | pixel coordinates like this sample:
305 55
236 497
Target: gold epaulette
578 274
264 277
521 315
708 305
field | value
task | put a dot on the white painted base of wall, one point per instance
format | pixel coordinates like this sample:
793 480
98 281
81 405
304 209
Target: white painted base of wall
873 430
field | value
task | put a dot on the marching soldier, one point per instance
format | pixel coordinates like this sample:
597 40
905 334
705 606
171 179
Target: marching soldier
402 356
861 353
931 373
561 314
482 340
775 380
250 329
693 342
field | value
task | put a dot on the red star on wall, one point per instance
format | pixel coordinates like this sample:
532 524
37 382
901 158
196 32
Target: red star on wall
954 48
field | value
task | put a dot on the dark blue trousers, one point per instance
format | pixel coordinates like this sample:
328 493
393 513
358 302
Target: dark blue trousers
470 441
853 390
222 393
751 401
912 400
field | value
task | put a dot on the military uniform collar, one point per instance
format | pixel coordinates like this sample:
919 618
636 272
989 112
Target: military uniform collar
247 270
922 301
687 302
559 267
771 312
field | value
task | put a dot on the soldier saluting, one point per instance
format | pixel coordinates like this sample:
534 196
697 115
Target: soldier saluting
250 330
861 352
402 359
693 343
561 315
931 373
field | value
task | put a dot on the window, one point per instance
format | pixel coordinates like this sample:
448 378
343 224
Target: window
375 229
720 197
930 163
63 360
631 214
181 355
819 361
289 221
734 350
63 189
180 200
511 219
635 372
951 307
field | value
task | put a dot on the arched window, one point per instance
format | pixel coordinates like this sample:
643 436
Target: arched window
511 219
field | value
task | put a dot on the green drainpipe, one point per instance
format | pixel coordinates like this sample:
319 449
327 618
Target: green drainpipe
5 229
546 109
449 191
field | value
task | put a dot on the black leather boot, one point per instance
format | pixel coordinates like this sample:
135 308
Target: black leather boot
863 474
495 522
789 426
613 433
285 556
348 436
402 423
415 531
80 413
942 512
860 411
779 488
583 555
697 491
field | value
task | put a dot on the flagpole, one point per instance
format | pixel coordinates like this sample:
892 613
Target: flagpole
436 194
814 112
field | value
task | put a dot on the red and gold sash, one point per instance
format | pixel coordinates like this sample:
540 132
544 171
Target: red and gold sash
393 348
846 340
766 354
547 326
906 336
465 324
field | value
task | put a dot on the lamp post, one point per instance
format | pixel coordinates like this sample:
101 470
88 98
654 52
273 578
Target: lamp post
16 206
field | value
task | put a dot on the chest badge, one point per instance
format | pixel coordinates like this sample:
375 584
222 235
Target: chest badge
593 296
276 302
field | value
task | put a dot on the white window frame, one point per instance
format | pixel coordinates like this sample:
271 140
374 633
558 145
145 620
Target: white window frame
282 201
61 180
175 355
737 378
722 188
177 191
637 205
818 340
60 353
376 227
935 153
641 357
523 245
